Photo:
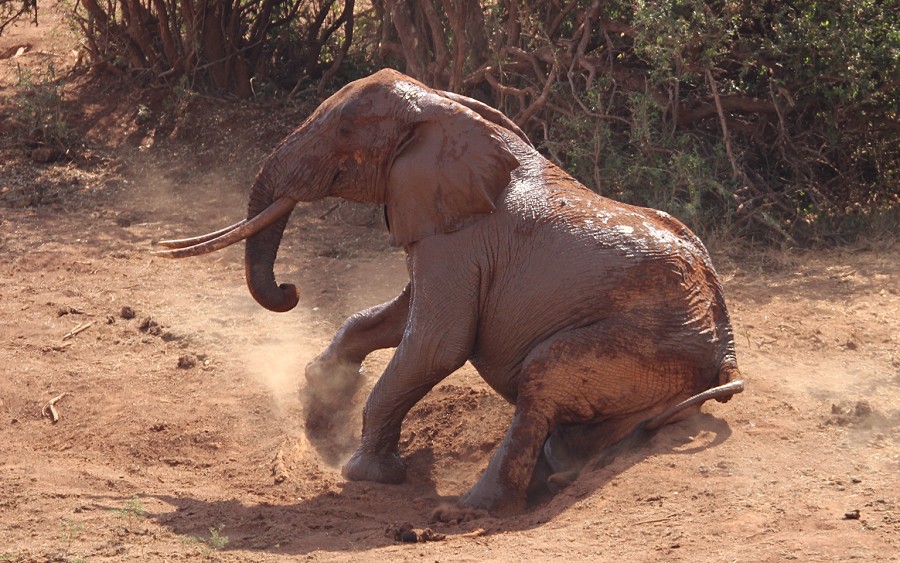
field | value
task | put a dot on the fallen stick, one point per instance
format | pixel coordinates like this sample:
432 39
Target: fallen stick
279 469
77 329
59 348
654 521
478 532
50 408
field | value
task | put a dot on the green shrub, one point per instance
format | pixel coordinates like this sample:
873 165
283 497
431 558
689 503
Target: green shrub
39 101
771 120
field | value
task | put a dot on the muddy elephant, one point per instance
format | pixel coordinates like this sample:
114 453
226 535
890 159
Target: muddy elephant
591 316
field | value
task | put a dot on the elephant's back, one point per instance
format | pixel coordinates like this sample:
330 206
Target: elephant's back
564 258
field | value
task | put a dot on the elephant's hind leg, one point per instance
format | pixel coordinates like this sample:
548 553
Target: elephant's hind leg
609 375
504 484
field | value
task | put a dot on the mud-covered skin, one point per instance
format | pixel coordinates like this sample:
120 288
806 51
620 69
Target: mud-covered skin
576 308
589 315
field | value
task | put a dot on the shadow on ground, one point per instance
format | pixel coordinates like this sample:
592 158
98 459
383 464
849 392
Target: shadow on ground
362 516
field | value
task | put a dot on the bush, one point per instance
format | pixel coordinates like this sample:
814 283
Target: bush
774 120
238 47
13 10
38 102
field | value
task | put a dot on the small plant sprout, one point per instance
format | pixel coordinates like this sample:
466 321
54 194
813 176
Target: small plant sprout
217 541
133 508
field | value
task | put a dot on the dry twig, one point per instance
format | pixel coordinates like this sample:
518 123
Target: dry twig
654 521
279 469
78 329
50 408
735 169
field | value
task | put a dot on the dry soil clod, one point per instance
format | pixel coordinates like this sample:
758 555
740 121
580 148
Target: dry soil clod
186 361
407 534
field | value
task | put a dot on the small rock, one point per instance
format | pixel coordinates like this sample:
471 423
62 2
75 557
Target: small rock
186 362
150 326
407 534
863 408
126 312
63 311
44 154
851 515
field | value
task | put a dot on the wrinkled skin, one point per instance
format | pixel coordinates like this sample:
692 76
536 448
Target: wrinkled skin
589 315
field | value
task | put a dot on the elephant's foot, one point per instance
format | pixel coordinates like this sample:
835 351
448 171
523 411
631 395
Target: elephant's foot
365 466
329 407
332 382
559 481
569 448
495 496
498 500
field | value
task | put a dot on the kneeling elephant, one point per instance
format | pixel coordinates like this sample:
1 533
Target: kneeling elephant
583 312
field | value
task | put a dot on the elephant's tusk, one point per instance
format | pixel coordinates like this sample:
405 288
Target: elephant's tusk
186 242
236 233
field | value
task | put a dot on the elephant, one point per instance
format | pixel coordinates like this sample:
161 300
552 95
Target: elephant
594 318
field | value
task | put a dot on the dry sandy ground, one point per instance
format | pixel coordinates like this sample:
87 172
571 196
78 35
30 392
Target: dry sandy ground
181 432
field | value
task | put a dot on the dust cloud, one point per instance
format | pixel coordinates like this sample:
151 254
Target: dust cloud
185 200
278 366
272 350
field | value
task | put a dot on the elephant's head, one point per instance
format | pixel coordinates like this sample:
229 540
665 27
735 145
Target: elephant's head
437 160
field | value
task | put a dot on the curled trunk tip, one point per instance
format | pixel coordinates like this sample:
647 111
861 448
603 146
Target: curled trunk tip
261 251
281 300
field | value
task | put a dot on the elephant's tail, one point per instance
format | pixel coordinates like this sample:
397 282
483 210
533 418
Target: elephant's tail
725 356
728 372
721 393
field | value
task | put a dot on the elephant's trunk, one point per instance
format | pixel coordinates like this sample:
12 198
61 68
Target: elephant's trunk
260 253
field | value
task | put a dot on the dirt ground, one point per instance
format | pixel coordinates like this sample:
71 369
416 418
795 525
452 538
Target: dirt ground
181 435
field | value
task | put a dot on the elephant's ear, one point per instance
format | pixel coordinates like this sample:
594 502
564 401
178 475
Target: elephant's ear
446 174
487 112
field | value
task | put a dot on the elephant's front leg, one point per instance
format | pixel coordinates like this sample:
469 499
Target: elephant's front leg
333 376
405 381
438 340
